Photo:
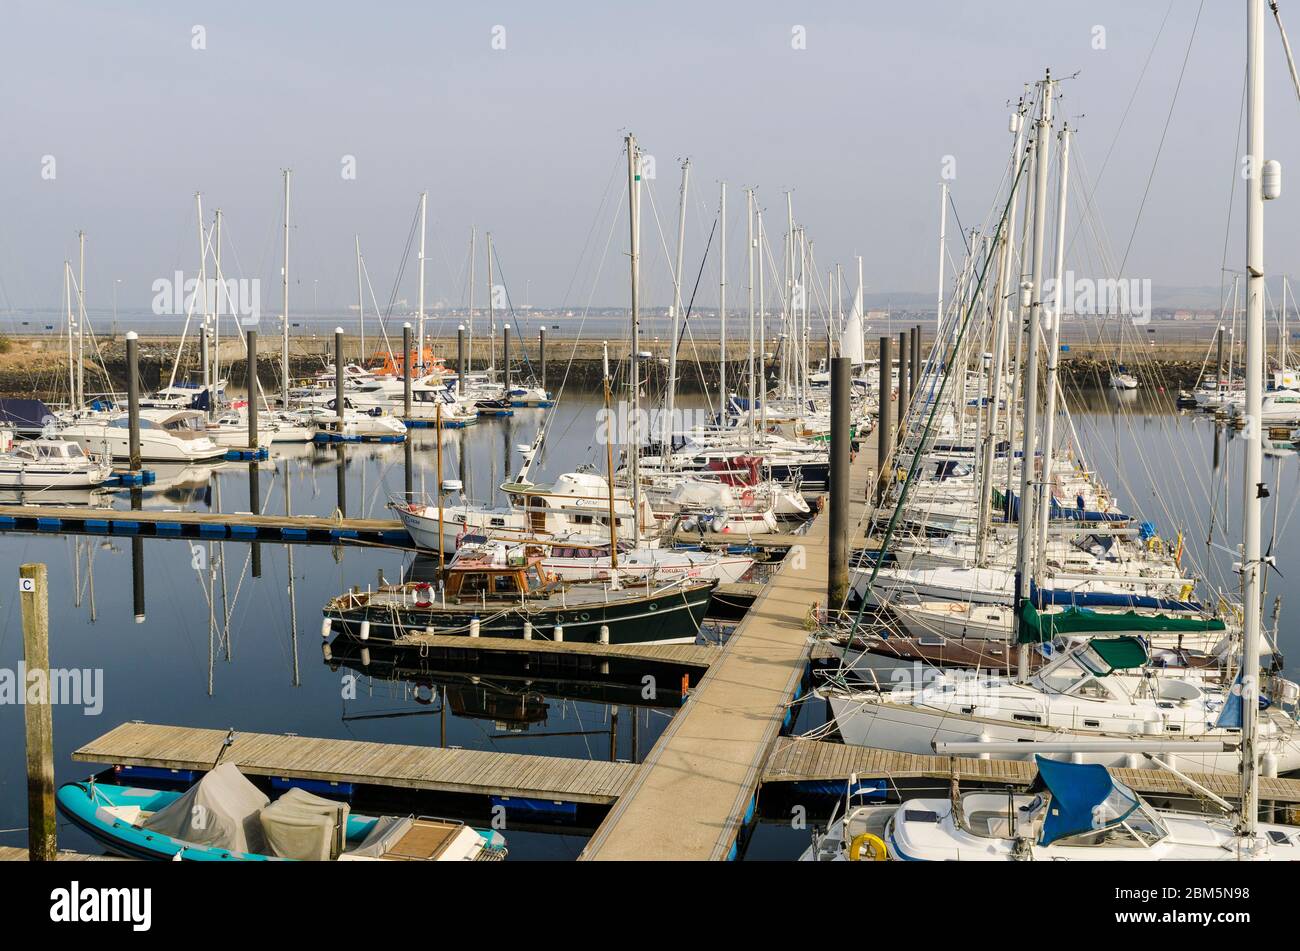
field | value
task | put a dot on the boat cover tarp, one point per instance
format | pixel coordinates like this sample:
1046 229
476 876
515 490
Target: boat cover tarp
1037 627
301 826
737 471
1107 599
1059 512
1085 798
25 415
220 810
702 495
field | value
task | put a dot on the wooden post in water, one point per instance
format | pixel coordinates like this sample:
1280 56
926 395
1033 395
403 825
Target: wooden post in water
406 370
505 359
42 842
133 398
1218 373
462 385
252 388
205 332
885 421
338 378
254 506
541 354
837 583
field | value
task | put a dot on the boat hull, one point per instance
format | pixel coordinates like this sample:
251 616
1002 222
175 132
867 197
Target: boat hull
667 616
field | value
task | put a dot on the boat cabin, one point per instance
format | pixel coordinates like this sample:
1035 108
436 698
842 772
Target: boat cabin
48 450
490 573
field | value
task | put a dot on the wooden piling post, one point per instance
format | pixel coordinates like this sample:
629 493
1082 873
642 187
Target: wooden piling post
42 841
252 389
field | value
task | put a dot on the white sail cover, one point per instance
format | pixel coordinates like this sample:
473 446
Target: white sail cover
851 336
220 810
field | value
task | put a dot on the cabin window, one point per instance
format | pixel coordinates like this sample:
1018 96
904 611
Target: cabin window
1027 717
1092 723
473 585
505 584
582 519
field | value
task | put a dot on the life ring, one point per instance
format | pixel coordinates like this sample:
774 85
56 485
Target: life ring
878 850
415 693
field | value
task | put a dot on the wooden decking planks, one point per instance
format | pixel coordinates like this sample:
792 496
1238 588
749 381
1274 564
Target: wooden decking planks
9 853
691 796
474 772
686 655
799 760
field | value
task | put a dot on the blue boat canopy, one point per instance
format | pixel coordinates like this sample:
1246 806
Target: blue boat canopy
1085 798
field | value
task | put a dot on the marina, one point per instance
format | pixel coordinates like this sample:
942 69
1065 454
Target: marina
603 458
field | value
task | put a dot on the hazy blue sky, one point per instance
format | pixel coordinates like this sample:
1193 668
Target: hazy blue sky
525 141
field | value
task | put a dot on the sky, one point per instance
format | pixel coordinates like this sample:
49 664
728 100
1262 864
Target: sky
115 114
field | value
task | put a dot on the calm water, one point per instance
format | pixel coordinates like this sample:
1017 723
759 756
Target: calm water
271 677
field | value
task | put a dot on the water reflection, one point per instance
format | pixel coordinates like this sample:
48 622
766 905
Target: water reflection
225 633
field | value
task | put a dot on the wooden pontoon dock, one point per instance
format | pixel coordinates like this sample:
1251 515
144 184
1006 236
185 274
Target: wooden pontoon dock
432 769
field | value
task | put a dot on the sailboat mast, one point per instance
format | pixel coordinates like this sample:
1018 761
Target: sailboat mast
1024 550
762 327
1054 348
210 382
1251 565
469 335
666 437
361 304
722 308
749 243
492 317
860 304
67 300
81 321
943 233
284 300
634 246
419 349
609 457
999 358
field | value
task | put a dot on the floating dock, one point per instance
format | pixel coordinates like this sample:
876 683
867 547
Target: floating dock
697 789
204 526
795 760
10 854
430 769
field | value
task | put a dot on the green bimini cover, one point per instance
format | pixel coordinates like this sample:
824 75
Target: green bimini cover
1036 627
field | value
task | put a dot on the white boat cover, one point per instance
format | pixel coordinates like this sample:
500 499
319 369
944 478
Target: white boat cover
220 810
702 495
301 826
